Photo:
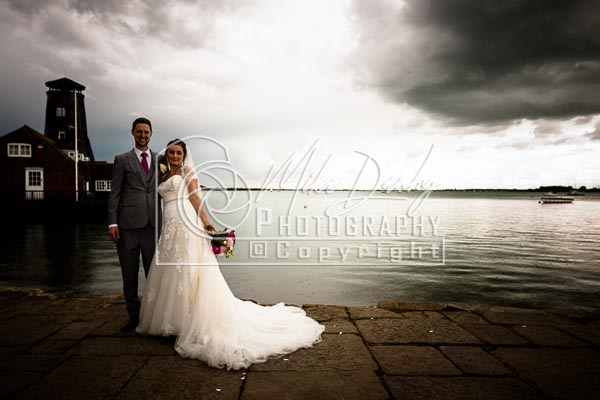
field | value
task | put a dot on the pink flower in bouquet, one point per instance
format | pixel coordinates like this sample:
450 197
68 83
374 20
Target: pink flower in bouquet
223 243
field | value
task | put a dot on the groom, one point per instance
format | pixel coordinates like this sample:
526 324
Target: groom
132 213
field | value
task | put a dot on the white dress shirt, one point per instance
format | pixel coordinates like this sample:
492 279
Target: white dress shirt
138 153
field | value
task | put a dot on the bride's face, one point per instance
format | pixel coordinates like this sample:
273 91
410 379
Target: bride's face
175 155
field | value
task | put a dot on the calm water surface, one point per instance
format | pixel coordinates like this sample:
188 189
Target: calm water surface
496 248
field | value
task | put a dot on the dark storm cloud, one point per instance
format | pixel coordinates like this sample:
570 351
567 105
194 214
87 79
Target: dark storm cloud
94 43
483 61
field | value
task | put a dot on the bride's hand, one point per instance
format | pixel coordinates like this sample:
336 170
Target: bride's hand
209 228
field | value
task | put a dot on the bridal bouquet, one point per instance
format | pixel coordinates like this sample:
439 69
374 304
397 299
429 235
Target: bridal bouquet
223 243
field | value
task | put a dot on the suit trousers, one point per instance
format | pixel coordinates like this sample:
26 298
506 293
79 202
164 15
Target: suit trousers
132 243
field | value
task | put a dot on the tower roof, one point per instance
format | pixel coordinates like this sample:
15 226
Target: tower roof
65 84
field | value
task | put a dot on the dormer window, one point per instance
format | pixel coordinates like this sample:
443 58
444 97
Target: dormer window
19 150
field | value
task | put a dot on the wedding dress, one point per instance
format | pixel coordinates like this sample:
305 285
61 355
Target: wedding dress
186 295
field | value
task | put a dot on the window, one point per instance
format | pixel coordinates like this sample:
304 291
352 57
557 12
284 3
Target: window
103 186
19 150
34 184
61 135
34 179
60 111
13 150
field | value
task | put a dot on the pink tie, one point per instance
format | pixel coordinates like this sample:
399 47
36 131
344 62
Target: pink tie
145 163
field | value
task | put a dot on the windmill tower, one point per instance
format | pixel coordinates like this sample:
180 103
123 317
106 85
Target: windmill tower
60 118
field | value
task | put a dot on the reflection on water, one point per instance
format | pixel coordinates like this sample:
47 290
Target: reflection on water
508 250
66 257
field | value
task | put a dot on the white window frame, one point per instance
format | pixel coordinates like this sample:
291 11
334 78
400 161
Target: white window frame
61 112
103 185
22 149
34 192
62 135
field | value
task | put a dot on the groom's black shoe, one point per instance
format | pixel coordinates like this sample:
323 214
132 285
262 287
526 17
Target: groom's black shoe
131 325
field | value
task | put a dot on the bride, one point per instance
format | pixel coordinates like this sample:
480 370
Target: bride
186 294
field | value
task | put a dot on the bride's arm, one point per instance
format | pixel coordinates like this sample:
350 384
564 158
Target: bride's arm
197 202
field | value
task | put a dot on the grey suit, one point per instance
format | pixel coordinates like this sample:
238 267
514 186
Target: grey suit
133 207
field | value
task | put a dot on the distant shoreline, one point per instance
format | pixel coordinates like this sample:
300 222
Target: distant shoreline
543 189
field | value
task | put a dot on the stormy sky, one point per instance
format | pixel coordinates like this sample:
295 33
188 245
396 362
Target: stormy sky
481 94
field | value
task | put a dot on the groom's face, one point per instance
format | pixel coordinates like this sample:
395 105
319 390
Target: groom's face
142 134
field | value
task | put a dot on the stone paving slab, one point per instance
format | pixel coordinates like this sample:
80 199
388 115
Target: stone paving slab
588 332
371 312
560 373
474 360
325 312
32 362
459 388
15 381
300 385
41 305
177 378
65 306
9 351
335 352
413 330
108 312
26 329
113 328
339 325
76 330
61 347
410 305
139 345
516 316
576 314
547 336
49 346
494 334
413 360
421 314
81 378
464 317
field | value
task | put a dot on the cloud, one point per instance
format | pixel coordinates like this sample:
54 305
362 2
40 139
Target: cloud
267 78
546 128
177 23
595 134
482 62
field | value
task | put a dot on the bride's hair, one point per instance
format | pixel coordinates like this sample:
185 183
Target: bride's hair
163 159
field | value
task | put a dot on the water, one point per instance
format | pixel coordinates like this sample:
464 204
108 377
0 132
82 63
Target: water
494 248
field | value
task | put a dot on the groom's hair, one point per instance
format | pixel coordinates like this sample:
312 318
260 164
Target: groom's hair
141 120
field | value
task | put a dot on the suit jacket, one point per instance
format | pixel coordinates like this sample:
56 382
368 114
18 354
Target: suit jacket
133 199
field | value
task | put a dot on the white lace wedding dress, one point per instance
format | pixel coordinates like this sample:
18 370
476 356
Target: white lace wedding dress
186 295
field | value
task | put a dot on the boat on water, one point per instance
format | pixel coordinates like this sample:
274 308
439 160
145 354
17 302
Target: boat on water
553 198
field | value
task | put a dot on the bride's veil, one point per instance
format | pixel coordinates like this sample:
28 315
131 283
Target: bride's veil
190 173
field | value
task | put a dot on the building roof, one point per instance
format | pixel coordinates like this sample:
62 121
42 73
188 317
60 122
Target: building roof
48 144
101 169
65 84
